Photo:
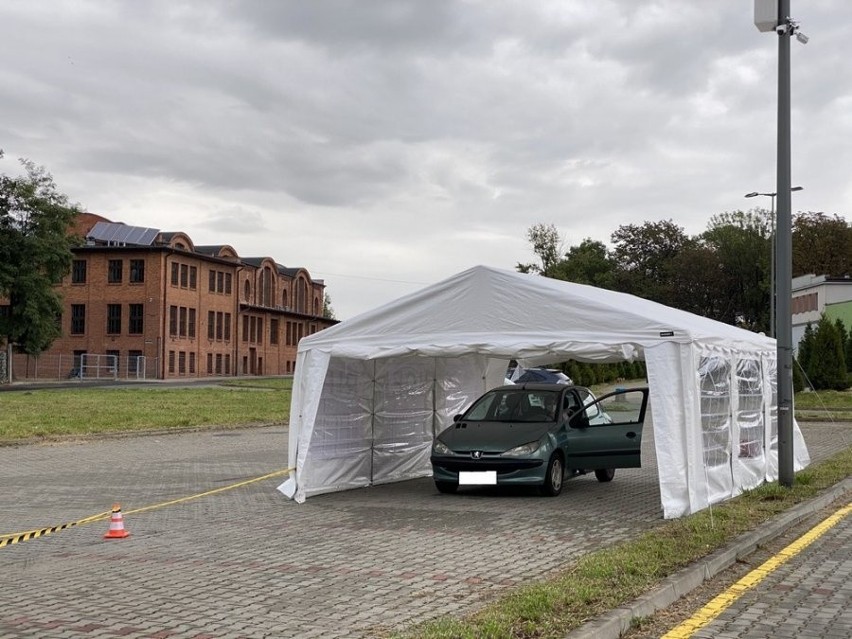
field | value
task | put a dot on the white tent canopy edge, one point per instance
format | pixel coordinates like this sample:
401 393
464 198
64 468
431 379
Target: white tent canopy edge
370 394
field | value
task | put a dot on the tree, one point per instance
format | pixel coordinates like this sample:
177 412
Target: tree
822 245
327 310
827 361
695 284
644 258
844 339
35 254
547 245
805 350
742 244
587 263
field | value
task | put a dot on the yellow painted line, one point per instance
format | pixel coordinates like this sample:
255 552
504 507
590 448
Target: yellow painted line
14 538
719 604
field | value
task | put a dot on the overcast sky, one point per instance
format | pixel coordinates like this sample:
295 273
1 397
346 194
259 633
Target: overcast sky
387 145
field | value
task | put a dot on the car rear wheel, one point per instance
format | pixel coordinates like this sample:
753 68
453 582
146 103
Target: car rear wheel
605 474
446 487
552 485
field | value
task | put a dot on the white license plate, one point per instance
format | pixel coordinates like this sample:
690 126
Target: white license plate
478 478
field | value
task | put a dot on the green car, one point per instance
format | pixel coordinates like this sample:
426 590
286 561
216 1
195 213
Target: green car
539 434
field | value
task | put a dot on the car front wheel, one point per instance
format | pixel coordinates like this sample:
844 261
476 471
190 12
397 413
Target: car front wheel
552 485
605 474
446 487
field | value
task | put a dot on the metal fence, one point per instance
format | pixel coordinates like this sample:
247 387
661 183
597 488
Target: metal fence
63 366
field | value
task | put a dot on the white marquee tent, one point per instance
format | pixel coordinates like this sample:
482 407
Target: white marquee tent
371 393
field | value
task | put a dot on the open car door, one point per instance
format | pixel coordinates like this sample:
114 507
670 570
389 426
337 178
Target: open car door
607 433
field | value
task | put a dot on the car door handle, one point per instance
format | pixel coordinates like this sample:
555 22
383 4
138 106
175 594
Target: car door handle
631 435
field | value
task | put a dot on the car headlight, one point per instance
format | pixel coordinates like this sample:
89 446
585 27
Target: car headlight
523 450
440 448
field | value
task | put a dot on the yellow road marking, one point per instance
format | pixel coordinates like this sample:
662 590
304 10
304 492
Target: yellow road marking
14 538
720 603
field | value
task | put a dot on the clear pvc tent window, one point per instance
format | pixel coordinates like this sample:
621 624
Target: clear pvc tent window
715 383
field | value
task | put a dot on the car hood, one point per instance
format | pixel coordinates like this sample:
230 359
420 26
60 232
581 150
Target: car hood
491 437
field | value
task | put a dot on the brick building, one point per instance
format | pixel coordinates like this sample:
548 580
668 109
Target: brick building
164 308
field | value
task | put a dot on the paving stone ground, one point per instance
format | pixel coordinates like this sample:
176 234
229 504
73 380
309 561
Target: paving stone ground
249 563
807 597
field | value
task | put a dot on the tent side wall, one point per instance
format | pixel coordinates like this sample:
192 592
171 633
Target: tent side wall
367 422
675 402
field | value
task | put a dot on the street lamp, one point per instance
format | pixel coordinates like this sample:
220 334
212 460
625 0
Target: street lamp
772 257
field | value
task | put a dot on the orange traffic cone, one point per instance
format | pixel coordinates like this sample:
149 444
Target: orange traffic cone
116 524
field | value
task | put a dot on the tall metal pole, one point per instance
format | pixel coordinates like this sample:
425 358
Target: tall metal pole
772 271
783 257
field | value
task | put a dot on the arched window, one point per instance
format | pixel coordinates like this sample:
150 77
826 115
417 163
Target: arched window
266 281
284 299
316 306
247 291
302 295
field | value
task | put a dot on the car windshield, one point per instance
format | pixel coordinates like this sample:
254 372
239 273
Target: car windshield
514 405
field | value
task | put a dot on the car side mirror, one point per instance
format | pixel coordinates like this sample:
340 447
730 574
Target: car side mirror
457 418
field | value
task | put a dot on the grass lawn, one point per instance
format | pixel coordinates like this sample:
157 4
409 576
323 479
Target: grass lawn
50 413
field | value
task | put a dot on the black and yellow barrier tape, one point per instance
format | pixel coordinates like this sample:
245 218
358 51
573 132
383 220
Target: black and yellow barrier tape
14 538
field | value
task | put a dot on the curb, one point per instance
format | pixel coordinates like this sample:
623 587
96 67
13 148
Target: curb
612 624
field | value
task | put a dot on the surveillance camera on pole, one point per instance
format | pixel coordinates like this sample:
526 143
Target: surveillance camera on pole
767 17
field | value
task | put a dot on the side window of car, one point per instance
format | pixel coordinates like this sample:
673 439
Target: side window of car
592 410
624 407
569 404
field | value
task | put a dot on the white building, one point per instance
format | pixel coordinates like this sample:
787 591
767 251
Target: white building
813 295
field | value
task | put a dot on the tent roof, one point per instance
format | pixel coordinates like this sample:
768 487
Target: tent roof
515 315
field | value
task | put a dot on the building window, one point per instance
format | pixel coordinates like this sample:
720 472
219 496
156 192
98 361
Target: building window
273 331
113 319
114 272
227 327
78 319
245 329
209 363
182 363
192 363
211 325
173 321
247 291
78 272
171 361
218 363
193 277
211 281
227 283
137 271
184 276
220 325
175 271
136 321
191 327
182 328
227 364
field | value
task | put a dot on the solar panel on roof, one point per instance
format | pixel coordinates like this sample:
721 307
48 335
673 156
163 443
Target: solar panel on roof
119 234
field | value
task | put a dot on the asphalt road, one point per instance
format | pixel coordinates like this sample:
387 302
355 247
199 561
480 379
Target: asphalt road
247 562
